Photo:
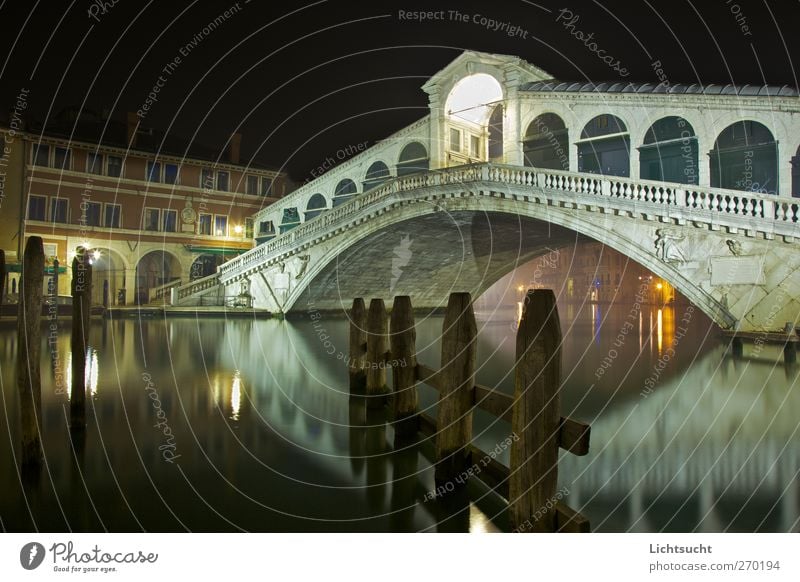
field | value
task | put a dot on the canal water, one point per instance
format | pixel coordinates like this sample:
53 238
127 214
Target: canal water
228 425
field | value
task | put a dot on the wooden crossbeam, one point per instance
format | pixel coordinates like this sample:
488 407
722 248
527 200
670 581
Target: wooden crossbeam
573 436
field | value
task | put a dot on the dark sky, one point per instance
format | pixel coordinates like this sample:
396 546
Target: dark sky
301 80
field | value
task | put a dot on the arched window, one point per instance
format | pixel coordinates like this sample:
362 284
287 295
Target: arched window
413 159
344 191
546 143
291 218
376 175
316 206
496 134
745 157
669 152
796 174
604 147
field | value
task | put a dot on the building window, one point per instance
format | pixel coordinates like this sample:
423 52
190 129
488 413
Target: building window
170 173
474 146
112 215
170 221
248 228
150 219
92 216
59 210
251 186
153 171
94 163
62 159
455 139
207 179
222 181
204 224
40 155
114 167
220 225
36 207
266 186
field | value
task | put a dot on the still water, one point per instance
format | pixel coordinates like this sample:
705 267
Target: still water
215 425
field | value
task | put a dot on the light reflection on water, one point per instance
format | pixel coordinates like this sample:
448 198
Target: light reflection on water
269 440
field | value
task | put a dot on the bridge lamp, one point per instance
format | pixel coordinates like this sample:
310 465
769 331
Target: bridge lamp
659 286
238 229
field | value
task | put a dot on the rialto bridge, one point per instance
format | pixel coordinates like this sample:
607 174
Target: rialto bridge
694 183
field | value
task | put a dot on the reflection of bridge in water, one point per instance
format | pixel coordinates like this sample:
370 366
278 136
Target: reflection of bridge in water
478 188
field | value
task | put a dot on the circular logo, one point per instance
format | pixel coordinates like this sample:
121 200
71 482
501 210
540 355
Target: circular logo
189 215
31 555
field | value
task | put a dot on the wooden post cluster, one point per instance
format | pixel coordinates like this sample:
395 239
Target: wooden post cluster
377 321
403 343
456 382
81 308
358 347
28 350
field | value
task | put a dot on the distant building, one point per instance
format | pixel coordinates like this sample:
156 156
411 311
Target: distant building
153 211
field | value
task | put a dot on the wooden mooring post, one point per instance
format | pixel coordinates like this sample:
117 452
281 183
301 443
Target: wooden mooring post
377 389
29 349
537 428
81 308
2 275
402 340
358 347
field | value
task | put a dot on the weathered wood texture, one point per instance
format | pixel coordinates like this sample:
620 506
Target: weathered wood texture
456 379
377 328
403 342
29 349
358 343
536 418
81 308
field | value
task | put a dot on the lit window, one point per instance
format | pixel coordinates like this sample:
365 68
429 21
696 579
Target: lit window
36 207
204 224
112 216
170 221
248 228
251 186
114 166
221 225
59 210
455 140
222 181
41 155
94 163
150 219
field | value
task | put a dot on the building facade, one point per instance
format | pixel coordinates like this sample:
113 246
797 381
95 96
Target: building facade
150 220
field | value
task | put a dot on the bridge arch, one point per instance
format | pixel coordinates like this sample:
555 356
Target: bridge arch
344 191
413 158
546 142
604 147
377 173
316 205
745 157
669 152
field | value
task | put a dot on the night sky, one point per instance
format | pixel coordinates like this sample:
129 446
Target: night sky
302 80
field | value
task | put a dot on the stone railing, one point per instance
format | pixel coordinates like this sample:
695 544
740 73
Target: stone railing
194 287
772 215
162 291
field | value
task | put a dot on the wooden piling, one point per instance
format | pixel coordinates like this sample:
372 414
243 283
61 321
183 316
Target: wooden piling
28 350
2 275
536 416
402 339
457 378
81 306
376 354
358 347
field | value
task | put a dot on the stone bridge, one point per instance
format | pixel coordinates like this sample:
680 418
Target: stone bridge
463 196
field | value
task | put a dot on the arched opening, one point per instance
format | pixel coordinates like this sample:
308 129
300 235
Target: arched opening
546 143
290 219
316 206
376 175
344 191
154 269
604 147
413 159
745 157
474 116
669 152
205 265
796 174
108 276
496 134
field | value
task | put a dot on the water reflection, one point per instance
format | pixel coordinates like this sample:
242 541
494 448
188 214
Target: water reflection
269 439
